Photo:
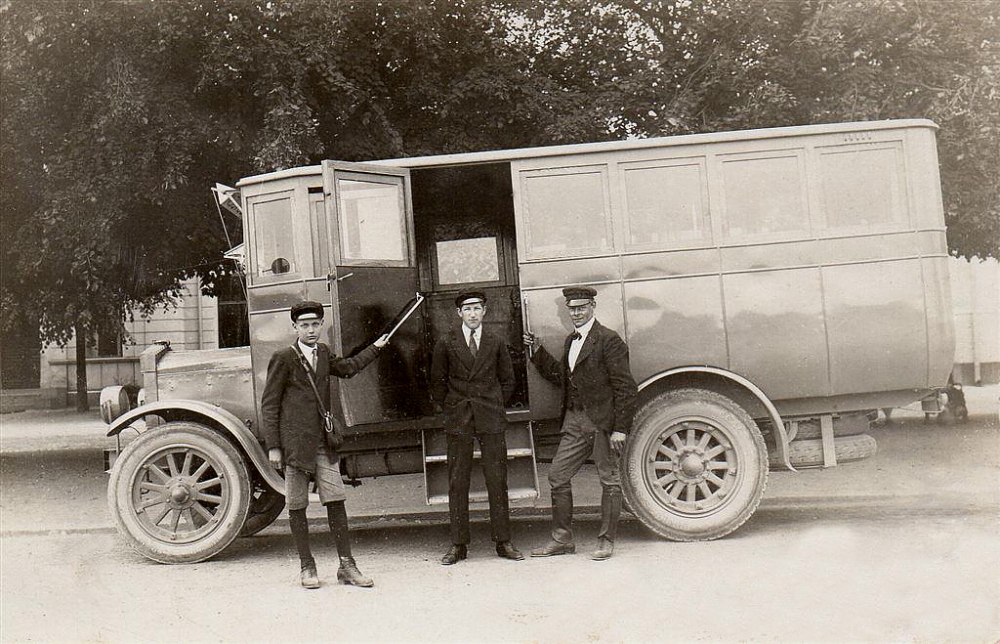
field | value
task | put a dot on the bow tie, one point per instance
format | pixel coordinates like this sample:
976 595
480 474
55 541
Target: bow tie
575 335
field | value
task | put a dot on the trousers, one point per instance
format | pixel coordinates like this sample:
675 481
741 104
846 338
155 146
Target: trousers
581 439
494 460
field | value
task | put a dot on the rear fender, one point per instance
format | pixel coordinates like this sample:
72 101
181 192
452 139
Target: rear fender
212 416
772 411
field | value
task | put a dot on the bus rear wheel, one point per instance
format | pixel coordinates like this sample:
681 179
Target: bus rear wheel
695 465
179 493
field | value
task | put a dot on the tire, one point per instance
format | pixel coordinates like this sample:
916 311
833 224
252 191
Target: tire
179 493
809 453
850 425
265 507
711 453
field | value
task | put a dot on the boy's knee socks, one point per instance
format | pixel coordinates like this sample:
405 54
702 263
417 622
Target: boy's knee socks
300 533
336 513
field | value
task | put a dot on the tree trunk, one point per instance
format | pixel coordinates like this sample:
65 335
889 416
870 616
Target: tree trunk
81 368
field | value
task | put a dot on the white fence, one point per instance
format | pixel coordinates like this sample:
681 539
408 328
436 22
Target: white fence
975 295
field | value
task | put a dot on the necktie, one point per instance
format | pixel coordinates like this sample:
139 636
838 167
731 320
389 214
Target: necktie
575 335
312 358
473 348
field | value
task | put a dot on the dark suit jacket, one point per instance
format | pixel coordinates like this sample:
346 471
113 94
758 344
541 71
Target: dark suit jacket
472 392
291 417
601 375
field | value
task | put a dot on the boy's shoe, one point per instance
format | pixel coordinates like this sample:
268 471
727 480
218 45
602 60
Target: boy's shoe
309 577
349 574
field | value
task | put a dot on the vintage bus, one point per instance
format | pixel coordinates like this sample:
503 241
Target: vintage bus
774 286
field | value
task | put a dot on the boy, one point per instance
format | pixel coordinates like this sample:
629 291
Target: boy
299 434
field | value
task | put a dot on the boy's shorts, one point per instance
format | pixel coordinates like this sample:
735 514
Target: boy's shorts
329 484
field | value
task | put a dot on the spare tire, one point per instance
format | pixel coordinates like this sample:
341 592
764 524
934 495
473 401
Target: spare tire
847 425
809 453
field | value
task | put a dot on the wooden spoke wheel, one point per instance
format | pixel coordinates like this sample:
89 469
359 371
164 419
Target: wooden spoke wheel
696 465
180 493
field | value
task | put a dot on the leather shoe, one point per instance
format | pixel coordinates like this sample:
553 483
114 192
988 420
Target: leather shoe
309 577
554 547
455 554
507 550
605 548
349 574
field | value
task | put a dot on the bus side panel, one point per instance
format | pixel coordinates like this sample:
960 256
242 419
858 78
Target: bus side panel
877 330
674 322
550 321
774 323
940 325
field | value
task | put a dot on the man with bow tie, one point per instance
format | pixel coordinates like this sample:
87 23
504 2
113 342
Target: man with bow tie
471 379
598 403
301 434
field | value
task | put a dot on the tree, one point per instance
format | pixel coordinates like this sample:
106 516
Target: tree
733 64
116 117
99 146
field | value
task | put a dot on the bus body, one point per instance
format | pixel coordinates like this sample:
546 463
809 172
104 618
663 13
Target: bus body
774 287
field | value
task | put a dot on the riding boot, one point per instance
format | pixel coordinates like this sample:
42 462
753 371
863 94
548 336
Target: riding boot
611 509
562 514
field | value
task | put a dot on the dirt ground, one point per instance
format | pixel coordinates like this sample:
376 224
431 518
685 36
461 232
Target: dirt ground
900 547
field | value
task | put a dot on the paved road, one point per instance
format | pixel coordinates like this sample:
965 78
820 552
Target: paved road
900 547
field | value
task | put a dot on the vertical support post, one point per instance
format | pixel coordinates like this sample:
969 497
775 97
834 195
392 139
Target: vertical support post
826 432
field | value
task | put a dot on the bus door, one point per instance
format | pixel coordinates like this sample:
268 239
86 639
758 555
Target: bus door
372 276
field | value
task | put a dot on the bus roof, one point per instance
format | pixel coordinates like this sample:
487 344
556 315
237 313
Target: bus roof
498 156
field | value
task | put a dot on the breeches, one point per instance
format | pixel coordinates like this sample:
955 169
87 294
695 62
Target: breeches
329 484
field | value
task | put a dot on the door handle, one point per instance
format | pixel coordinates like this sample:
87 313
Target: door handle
332 276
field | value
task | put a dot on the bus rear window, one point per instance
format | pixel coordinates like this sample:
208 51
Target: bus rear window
861 186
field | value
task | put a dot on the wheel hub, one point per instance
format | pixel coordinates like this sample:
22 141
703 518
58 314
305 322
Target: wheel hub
692 465
180 495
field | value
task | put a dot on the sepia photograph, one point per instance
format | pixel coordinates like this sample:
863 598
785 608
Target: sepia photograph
490 321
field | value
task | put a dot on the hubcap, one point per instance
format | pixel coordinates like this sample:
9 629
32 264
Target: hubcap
691 466
179 494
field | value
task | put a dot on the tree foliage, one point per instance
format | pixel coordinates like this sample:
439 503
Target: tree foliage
117 116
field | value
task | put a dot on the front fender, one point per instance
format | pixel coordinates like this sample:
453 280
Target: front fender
216 417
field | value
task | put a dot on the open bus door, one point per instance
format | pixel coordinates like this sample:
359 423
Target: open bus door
372 275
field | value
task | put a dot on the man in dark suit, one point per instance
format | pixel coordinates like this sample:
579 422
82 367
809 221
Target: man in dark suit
598 399
301 434
472 378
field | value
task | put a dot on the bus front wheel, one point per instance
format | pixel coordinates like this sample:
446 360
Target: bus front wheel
180 493
695 465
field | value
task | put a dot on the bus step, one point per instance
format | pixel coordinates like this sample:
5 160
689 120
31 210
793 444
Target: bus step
522 472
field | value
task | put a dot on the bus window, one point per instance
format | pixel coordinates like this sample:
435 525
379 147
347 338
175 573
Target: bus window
567 212
666 205
861 186
467 261
274 247
372 221
764 195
